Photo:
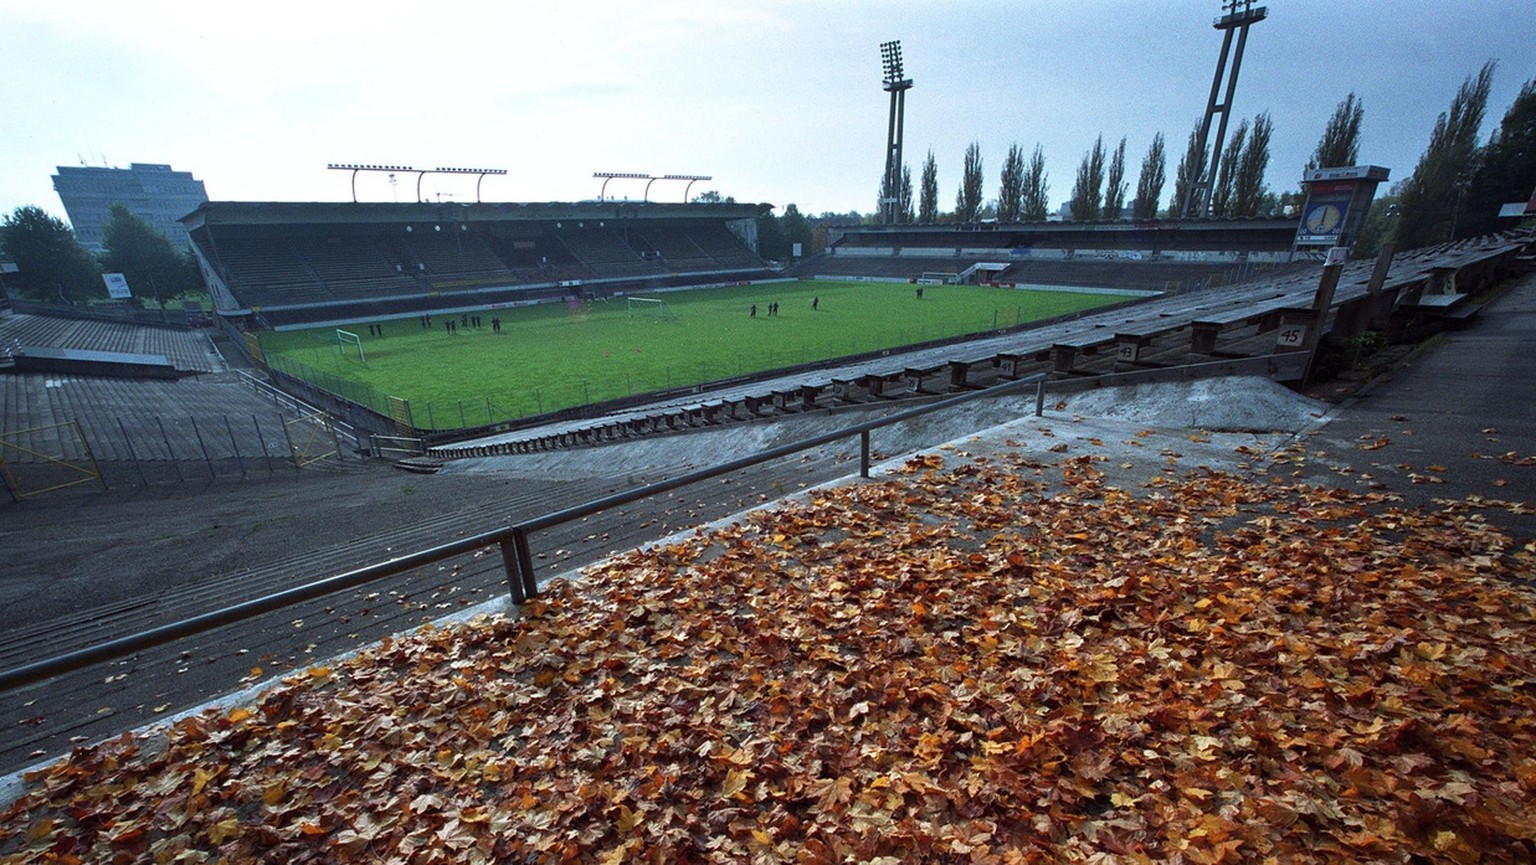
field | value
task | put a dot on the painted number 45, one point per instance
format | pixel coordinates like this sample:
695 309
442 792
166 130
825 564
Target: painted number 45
1291 336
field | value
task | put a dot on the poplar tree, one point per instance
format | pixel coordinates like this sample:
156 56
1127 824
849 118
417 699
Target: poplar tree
904 204
1191 169
1248 189
968 198
928 194
1035 205
1010 197
1340 144
1149 185
1507 171
1431 198
1114 184
1086 201
1221 194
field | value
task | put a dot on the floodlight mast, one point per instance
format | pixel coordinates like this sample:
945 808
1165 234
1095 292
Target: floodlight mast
691 178
347 166
1240 16
420 172
896 84
482 172
602 192
649 179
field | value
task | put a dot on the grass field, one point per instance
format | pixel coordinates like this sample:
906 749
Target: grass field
555 356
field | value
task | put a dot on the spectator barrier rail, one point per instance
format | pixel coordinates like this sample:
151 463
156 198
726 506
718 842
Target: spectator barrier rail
512 541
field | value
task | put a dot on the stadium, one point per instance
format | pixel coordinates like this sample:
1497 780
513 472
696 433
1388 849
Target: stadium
583 531
282 267
274 265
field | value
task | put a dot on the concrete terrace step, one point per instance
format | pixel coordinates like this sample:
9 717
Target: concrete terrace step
100 624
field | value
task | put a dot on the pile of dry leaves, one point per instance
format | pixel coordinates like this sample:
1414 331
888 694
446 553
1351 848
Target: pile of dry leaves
960 664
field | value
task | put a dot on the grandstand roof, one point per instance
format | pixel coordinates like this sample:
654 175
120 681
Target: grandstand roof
1245 223
1274 234
322 213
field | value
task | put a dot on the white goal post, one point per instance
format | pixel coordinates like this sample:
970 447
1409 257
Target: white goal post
647 307
935 277
346 338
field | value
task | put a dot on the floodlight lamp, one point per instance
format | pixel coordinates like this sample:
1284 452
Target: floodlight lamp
890 60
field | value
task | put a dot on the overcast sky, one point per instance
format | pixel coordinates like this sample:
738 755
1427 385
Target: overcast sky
780 101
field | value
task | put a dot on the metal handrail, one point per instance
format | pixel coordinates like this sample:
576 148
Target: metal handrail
512 540
284 399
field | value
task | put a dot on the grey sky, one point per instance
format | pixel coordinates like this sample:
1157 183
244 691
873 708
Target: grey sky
779 101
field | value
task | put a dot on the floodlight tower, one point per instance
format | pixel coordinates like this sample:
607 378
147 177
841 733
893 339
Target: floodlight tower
896 85
1240 16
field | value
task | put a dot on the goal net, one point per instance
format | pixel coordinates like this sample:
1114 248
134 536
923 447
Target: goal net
648 307
935 277
348 343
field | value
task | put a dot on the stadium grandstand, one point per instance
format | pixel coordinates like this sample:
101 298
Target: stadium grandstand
277 265
1163 255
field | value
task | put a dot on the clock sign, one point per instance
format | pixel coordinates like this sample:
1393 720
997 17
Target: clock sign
1323 219
1337 201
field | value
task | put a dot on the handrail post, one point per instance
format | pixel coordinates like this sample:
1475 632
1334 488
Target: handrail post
1040 396
514 578
864 454
525 563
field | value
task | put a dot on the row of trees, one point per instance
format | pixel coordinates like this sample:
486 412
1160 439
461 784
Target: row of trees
1454 192
1458 185
53 266
1102 182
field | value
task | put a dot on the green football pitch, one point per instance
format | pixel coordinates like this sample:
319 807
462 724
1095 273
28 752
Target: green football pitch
558 355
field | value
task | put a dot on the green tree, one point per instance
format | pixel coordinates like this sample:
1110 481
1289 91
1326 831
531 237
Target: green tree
1149 186
51 264
1187 176
1507 171
1086 202
1433 196
1248 189
1380 223
1114 184
887 207
712 196
795 229
1221 194
905 212
968 198
772 243
146 257
1010 197
1036 203
1289 203
928 194
1340 144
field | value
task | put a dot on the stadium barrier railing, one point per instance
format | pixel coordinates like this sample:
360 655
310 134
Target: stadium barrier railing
512 541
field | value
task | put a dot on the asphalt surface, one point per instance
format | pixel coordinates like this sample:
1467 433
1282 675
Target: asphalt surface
1456 420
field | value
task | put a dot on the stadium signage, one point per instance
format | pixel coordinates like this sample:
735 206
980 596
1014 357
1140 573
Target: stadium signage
117 286
1352 172
1337 201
